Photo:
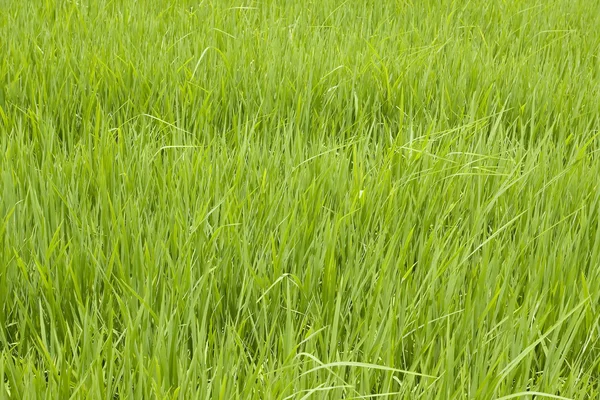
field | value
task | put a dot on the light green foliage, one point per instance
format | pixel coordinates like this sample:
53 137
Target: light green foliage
299 199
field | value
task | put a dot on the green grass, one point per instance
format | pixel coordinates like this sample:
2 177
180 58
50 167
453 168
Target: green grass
299 199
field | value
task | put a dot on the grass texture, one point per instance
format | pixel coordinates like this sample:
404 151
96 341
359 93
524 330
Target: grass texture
369 199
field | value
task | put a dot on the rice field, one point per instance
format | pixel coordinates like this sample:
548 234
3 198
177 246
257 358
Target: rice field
374 199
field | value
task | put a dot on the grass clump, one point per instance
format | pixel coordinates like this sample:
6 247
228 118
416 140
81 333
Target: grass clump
292 200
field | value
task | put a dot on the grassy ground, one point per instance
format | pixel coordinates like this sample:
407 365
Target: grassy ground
299 199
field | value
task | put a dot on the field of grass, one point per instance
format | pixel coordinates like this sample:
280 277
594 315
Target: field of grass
230 199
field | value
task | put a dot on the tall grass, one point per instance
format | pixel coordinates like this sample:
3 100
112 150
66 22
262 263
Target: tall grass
299 199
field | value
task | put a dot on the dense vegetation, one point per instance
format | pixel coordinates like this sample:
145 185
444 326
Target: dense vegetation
299 199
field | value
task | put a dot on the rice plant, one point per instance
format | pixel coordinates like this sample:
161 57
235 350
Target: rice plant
236 199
